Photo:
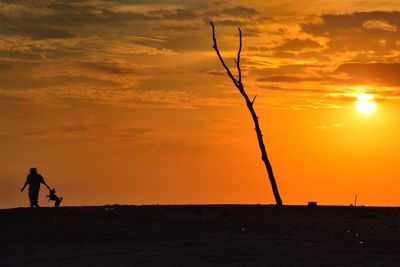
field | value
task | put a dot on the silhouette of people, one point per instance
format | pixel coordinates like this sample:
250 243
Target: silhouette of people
34 179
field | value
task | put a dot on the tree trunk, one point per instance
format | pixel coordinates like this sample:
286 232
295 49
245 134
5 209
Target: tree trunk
250 106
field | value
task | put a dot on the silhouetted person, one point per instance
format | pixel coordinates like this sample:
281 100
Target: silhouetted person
34 179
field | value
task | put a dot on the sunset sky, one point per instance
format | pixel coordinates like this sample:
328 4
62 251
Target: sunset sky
126 102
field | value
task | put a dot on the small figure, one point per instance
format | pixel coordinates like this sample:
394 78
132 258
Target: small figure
34 179
52 196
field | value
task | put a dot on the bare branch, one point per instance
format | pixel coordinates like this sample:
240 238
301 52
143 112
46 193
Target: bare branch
215 46
238 57
254 99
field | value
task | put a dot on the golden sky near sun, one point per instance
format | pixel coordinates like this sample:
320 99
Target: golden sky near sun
125 101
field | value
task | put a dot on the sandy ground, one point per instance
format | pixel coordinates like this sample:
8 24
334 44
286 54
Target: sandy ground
215 235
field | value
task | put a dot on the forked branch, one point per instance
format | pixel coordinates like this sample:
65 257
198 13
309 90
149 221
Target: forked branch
250 105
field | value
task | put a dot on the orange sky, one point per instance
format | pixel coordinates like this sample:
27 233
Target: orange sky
125 101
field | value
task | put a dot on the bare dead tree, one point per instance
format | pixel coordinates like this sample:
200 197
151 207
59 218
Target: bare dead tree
250 105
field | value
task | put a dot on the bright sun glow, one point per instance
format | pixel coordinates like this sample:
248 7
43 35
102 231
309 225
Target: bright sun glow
365 103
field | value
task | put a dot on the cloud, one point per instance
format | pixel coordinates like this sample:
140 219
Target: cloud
379 25
84 131
17 54
27 26
5 66
297 45
379 73
12 99
328 126
177 14
46 33
239 11
331 51
158 52
110 67
361 31
26 81
292 73
293 79
226 22
338 24
18 81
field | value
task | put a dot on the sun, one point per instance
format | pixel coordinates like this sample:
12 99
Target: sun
365 103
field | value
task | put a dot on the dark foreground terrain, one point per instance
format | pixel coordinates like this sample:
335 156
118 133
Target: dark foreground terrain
220 235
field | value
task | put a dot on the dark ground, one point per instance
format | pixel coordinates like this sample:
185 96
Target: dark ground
214 235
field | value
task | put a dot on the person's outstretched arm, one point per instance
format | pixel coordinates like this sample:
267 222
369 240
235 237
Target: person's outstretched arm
26 183
43 182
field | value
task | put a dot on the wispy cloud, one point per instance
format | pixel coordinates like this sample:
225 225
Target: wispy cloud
328 126
159 52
